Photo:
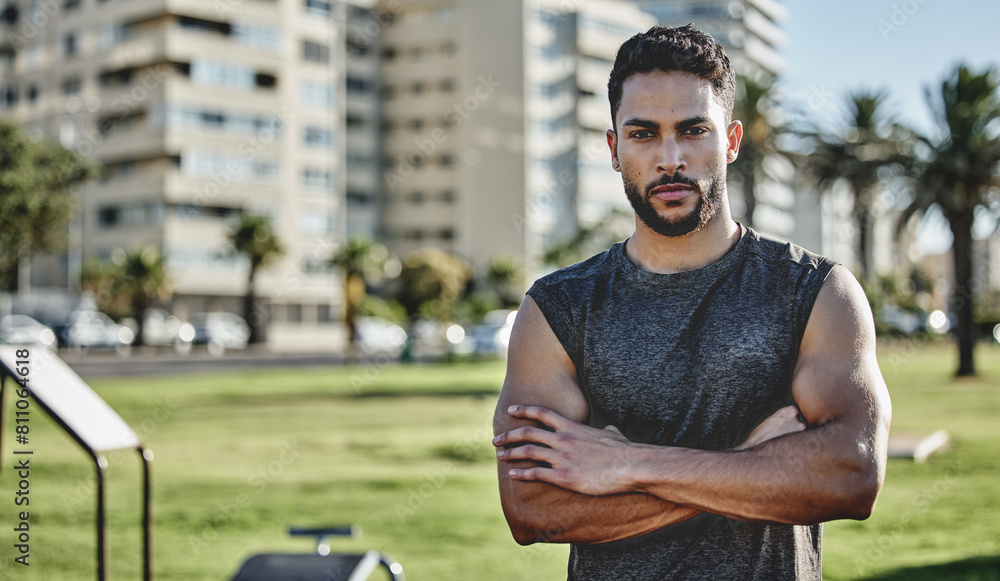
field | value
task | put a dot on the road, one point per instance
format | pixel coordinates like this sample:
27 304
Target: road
109 364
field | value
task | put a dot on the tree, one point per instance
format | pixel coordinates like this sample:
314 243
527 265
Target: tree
867 142
139 276
35 204
253 238
430 282
359 259
961 169
589 240
755 108
504 276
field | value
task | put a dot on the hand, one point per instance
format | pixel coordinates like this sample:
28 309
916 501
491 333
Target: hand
784 421
581 458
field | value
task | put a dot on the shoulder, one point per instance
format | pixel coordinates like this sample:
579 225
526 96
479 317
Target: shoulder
584 270
777 251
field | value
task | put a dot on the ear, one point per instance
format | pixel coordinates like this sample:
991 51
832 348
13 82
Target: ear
734 136
613 146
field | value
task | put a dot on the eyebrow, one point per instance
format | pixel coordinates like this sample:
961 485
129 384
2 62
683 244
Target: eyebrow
682 124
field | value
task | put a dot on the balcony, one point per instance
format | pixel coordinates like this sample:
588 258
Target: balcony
140 142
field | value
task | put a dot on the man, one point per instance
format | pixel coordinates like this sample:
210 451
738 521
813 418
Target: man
692 403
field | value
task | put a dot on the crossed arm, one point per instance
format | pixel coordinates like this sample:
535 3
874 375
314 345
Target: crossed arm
563 481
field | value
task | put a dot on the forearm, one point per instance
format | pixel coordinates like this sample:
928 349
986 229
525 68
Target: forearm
541 512
804 478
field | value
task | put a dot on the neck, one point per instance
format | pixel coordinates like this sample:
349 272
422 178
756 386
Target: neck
661 254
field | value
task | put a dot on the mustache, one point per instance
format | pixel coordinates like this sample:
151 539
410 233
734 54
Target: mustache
677 178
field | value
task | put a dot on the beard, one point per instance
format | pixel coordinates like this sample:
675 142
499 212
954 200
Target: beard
709 203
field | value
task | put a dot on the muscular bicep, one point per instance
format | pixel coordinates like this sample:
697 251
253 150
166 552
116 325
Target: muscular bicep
539 372
837 380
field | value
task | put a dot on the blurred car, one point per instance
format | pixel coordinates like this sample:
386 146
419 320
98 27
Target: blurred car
23 330
160 328
491 336
220 331
94 330
377 336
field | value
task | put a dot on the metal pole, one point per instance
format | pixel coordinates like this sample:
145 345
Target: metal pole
3 411
147 514
102 547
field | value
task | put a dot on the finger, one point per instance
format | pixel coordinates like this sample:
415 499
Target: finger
529 452
524 434
540 414
613 429
790 412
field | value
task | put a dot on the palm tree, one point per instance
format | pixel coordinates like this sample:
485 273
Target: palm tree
755 108
868 142
960 171
139 277
253 238
359 259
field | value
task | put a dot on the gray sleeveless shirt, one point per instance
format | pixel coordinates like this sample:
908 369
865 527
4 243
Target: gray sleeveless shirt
695 359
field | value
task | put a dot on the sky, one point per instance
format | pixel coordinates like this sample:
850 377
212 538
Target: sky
902 46
836 46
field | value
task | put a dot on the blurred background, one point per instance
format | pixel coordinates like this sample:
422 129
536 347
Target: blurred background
199 185
317 175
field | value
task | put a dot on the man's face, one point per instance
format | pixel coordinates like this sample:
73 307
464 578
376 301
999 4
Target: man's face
672 145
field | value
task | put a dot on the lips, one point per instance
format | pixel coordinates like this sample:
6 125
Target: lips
672 192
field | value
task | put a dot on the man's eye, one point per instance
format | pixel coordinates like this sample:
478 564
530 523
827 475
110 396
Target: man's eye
643 134
695 131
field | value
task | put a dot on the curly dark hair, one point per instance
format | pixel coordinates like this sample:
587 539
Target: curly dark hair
684 49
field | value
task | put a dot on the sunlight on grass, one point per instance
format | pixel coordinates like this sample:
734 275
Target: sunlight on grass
404 452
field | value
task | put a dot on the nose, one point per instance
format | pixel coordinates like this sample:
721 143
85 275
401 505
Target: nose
671 158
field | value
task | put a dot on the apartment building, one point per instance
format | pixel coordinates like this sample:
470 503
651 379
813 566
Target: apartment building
199 111
750 30
493 118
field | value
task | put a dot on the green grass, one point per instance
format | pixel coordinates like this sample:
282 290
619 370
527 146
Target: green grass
404 453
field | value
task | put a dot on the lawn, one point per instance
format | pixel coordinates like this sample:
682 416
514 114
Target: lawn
403 452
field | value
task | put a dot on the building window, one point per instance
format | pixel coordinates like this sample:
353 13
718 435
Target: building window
113 34
315 223
132 214
71 86
317 178
257 35
70 44
205 163
228 75
32 93
202 25
319 7
8 14
9 96
70 5
316 95
315 52
318 137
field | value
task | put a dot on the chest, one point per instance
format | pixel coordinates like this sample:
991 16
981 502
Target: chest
698 371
